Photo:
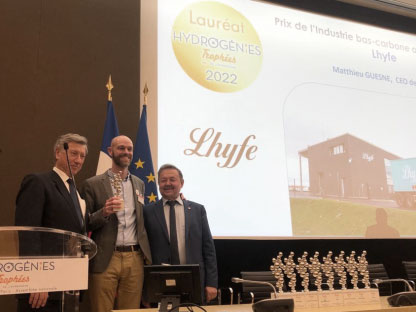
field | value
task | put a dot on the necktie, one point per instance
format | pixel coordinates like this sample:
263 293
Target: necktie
174 251
74 197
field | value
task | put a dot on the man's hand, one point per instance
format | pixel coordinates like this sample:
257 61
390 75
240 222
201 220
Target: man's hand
210 293
146 304
37 300
112 205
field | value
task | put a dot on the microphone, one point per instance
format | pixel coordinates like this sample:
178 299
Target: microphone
406 298
266 305
240 280
389 280
67 160
75 197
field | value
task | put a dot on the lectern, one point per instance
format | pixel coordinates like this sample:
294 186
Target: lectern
36 259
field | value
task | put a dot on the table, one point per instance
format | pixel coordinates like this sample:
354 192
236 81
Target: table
382 307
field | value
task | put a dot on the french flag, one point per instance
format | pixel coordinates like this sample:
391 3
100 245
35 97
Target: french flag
110 132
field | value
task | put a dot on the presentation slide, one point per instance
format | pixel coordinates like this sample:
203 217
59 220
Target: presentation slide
287 123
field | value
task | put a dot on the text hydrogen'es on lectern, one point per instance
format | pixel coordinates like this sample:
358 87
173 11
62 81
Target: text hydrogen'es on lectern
36 259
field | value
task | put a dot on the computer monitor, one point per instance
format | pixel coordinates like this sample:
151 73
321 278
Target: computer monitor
171 285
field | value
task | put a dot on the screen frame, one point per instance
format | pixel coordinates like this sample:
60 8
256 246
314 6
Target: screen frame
157 276
147 61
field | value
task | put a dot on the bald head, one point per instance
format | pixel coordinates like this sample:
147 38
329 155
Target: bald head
121 138
121 151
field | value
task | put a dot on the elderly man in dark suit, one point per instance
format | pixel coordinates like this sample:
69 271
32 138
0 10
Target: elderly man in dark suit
115 202
50 200
178 230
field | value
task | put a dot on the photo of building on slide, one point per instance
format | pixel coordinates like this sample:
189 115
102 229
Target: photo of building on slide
348 167
361 184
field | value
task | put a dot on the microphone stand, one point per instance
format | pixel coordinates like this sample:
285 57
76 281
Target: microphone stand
70 172
244 281
383 281
75 293
268 304
405 298
69 167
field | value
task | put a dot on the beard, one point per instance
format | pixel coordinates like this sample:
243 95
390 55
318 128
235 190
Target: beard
121 163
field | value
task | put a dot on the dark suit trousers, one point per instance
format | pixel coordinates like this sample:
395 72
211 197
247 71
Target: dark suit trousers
51 306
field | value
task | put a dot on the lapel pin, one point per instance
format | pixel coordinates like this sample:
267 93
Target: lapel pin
140 197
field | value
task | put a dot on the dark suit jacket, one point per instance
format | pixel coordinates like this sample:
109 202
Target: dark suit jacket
44 201
199 244
96 191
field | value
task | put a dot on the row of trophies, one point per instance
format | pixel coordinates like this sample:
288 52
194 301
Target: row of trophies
329 270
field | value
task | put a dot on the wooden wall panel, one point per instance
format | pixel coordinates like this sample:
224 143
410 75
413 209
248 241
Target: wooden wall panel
55 60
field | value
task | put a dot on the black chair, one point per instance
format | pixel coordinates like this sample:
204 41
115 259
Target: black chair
254 292
377 272
410 269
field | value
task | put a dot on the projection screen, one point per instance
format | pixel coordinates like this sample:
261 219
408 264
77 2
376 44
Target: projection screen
285 123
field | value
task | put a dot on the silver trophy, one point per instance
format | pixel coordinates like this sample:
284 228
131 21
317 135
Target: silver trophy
277 270
302 269
328 270
363 269
351 267
290 271
117 184
340 270
315 270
